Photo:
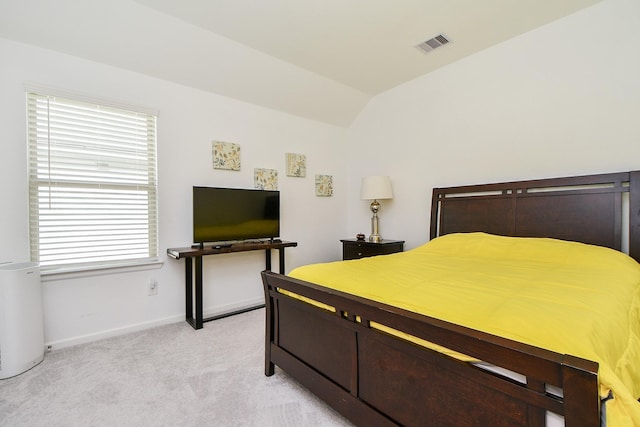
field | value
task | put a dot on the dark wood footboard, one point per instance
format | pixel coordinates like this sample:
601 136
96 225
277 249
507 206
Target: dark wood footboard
374 378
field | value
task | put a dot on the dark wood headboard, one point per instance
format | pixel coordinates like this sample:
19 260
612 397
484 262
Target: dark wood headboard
589 209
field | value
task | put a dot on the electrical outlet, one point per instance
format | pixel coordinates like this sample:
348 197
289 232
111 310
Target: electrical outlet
153 287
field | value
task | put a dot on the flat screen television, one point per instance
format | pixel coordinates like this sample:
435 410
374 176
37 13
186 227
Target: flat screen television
232 214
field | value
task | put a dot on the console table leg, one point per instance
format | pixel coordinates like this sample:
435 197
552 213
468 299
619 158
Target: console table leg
281 259
188 290
198 324
267 260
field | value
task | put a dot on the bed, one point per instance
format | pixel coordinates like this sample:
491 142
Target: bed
331 341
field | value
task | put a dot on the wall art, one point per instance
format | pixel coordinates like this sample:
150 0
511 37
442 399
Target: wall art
296 165
226 155
265 179
324 185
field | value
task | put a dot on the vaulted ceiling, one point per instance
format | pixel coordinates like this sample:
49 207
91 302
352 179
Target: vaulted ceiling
319 59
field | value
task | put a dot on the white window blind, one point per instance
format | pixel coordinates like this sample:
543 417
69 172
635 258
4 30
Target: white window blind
92 183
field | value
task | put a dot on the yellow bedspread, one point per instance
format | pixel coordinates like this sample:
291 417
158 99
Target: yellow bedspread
563 296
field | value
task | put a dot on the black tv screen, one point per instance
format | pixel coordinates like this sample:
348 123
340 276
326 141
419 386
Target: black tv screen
231 214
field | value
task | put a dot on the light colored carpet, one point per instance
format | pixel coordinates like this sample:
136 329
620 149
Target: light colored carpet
166 376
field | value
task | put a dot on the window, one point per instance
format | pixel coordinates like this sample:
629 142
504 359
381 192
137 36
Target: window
92 184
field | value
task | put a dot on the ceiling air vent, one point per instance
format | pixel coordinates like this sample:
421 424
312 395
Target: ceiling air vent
433 43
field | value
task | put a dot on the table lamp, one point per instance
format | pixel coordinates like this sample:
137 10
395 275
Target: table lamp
374 188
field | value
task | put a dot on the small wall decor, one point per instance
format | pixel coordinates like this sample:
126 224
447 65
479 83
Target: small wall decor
226 155
324 185
296 165
265 179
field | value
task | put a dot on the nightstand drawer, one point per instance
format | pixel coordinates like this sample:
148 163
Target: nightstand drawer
354 249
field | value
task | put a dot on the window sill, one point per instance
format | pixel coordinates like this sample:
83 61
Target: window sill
74 272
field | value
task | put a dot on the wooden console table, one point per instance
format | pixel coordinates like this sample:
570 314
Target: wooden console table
189 254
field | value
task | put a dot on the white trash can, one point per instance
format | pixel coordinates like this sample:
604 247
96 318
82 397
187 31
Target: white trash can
21 318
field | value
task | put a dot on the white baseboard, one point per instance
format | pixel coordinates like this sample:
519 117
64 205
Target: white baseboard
83 339
207 312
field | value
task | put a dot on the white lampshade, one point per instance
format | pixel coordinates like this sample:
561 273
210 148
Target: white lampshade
376 188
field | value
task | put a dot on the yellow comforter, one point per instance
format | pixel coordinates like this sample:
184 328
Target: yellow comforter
566 297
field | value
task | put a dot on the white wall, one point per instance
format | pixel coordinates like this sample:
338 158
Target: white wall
560 100
80 309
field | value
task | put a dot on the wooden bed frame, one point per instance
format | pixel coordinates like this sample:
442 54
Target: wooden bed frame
373 378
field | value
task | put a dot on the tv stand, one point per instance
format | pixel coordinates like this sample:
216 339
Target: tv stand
196 253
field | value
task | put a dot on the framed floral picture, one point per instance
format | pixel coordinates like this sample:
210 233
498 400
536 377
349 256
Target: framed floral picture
296 165
324 185
226 155
265 179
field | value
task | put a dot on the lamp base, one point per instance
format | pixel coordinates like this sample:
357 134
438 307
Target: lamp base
375 236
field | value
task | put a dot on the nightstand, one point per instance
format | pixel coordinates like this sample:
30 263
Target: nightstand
354 249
